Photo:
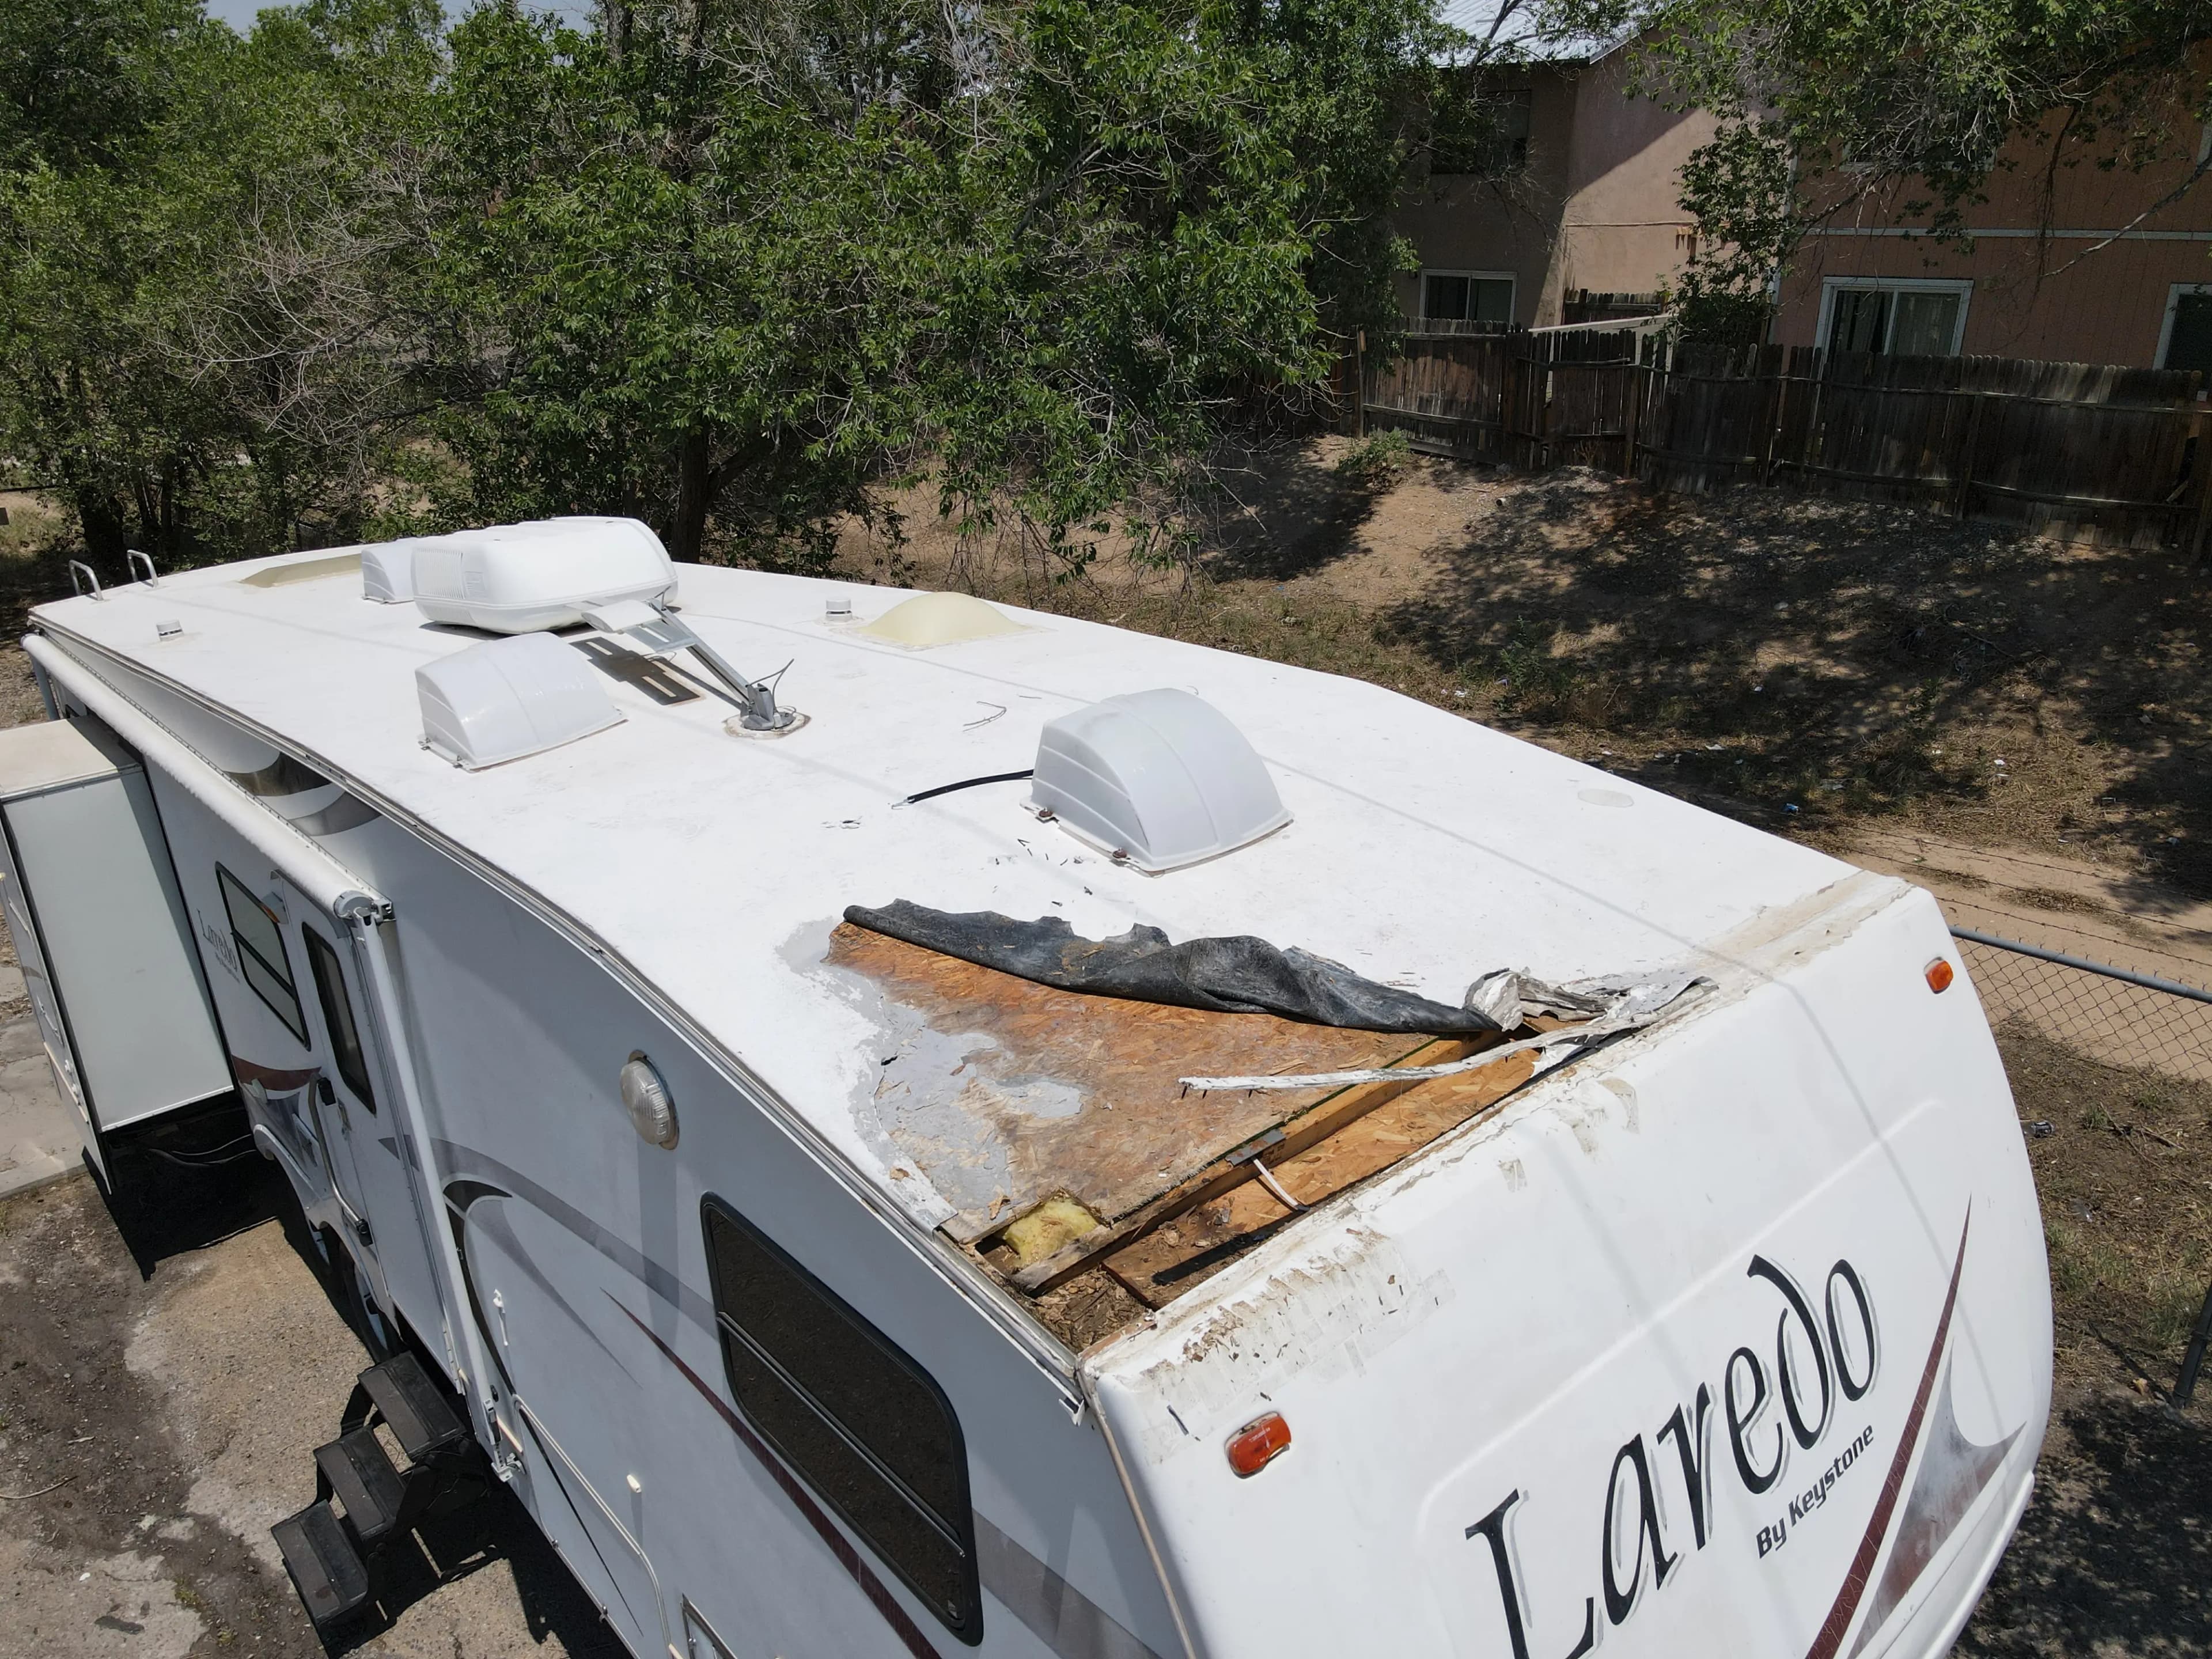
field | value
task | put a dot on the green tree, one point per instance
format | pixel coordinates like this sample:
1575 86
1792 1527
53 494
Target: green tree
726 266
193 228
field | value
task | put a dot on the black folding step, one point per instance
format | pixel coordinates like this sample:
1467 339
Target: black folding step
419 1412
325 1568
360 1473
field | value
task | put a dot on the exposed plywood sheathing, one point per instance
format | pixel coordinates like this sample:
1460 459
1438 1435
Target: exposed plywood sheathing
1066 1093
1134 1189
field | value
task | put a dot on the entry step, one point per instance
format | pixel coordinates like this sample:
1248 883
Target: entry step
360 1473
419 1412
327 1569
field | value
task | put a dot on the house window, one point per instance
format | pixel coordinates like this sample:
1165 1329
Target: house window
1468 296
1901 318
2186 341
260 940
859 1420
337 1018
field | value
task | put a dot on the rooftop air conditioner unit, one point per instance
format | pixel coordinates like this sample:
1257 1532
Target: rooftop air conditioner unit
524 577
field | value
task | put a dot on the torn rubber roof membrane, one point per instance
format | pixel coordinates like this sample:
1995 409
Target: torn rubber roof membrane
1241 975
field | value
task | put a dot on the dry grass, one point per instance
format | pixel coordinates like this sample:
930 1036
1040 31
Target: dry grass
1804 662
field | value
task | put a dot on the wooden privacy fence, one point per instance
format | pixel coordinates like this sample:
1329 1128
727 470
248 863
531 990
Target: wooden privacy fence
2106 453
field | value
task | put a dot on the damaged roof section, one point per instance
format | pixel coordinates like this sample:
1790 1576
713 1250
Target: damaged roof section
1055 1122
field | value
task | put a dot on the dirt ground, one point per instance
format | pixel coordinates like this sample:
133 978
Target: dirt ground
2112 1555
167 1368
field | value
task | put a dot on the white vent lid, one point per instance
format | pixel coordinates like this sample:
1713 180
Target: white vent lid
504 699
1162 777
387 571
520 578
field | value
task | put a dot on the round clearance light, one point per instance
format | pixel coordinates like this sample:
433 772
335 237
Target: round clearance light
1258 1443
646 1097
1940 974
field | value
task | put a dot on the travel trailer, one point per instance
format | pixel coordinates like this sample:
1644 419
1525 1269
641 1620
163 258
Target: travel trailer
1012 1135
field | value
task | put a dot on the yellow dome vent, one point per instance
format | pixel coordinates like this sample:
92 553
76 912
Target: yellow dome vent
934 619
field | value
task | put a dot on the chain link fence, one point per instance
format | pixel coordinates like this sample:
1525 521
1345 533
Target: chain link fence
2112 1014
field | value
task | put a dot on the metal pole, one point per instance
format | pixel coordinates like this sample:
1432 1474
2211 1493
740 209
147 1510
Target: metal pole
2149 982
2186 1384
1359 384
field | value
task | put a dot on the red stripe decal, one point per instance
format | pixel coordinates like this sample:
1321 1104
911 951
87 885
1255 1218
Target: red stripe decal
1831 1637
873 1588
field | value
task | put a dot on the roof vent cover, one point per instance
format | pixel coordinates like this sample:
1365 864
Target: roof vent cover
932 619
504 699
387 571
519 578
1160 777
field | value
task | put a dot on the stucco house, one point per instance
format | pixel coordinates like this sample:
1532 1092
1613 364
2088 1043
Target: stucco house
1588 201
2066 259
2069 262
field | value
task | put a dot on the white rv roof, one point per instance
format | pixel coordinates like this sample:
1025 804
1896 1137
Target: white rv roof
1424 849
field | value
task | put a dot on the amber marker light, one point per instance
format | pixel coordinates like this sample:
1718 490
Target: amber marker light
1258 1443
1940 974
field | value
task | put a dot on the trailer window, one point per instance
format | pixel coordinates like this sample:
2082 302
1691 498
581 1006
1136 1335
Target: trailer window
260 940
337 1018
863 1424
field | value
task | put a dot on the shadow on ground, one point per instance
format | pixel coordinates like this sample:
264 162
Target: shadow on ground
2109 1558
443 1551
1813 655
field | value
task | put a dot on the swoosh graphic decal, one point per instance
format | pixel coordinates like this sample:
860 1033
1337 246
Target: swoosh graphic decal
878 1595
1831 1636
1064 1619
465 1161
1954 1473
273 1077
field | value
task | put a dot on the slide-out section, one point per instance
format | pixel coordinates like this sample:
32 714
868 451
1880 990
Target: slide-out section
91 904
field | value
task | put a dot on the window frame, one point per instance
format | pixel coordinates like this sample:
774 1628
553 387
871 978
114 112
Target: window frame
2173 296
1512 289
296 1022
348 1053
1832 286
968 1627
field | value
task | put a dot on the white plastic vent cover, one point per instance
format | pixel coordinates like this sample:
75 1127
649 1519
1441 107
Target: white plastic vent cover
387 573
504 699
520 578
1160 776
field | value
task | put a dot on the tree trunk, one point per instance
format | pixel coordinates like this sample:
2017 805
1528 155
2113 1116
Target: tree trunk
101 520
695 494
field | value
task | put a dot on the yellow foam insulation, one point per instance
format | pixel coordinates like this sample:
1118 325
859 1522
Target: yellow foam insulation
1053 1225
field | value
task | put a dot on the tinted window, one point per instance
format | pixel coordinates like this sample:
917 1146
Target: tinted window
1466 299
337 1018
2190 344
1860 321
1925 323
859 1420
260 940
